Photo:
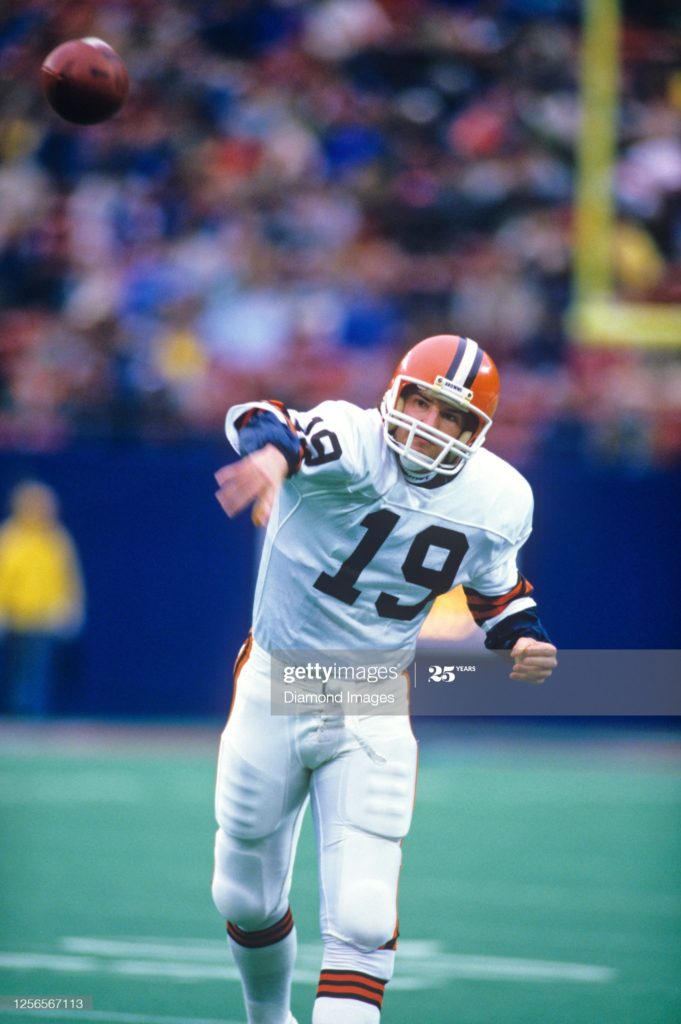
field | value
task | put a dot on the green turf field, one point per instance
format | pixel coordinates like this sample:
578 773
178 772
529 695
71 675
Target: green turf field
540 882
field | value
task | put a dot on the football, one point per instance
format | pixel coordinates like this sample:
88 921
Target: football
84 80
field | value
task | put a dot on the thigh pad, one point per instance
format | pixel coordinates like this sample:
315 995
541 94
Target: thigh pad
379 797
249 802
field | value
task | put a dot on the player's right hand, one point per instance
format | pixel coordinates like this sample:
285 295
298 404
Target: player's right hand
255 478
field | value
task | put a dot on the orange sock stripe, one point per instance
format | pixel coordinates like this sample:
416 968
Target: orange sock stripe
350 986
351 993
351 978
336 984
266 936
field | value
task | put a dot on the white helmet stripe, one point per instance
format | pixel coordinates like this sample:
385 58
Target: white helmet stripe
465 362
477 363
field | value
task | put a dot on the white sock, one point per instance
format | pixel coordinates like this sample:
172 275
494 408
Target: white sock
344 1011
265 960
351 984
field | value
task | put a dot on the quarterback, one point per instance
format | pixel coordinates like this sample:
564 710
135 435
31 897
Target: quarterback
370 514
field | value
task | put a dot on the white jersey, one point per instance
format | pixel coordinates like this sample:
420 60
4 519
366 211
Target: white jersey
355 554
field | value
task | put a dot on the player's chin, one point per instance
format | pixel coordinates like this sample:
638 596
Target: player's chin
430 451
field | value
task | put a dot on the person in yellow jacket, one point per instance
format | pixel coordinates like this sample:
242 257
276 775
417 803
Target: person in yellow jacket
41 597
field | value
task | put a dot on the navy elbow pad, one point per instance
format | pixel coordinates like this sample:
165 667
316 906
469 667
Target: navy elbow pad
503 636
265 428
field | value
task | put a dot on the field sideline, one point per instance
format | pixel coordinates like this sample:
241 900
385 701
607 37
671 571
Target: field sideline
540 880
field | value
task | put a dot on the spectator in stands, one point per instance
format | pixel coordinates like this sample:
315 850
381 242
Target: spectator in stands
41 597
353 174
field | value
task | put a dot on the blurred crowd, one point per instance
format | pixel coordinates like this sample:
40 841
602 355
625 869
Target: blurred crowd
296 191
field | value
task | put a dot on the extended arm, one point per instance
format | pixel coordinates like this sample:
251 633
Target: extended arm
271 451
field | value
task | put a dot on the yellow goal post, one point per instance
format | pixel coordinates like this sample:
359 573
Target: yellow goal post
598 316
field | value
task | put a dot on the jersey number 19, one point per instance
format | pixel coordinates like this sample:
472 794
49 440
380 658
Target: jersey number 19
379 525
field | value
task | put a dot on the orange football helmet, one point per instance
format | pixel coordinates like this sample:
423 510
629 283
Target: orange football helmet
453 370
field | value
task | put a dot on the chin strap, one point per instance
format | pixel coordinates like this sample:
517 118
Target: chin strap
415 476
419 475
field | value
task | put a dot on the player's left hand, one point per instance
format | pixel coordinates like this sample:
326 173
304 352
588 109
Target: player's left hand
533 660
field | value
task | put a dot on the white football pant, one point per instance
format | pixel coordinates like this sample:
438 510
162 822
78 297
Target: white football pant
359 774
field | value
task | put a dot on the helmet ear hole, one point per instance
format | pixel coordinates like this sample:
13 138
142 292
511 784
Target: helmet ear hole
471 424
407 391
470 427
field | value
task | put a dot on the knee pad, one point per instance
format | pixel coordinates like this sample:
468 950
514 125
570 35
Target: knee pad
368 915
366 909
238 888
252 879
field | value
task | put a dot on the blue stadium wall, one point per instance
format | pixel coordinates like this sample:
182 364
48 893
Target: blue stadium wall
170 580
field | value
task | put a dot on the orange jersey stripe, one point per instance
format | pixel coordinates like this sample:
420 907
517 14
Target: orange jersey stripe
521 588
483 606
284 411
